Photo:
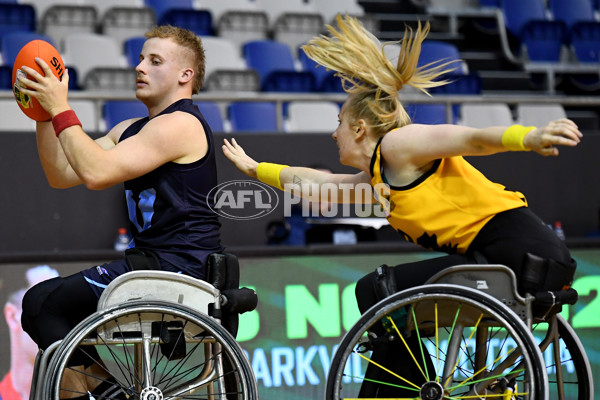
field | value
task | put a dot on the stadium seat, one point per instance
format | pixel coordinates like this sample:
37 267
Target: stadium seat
481 115
275 65
428 114
219 7
253 117
221 54
437 52
132 48
73 78
585 41
197 21
14 41
160 7
572 12
60 21
529 114
225 68
539 38
461 81
87 113
293 22
212 115
490 3
87 52
13 119
123 23
312 117
277 8
118 111
17 18
110 78
103 6
41 6
5 77
330 8
267 56
583 28
241 26
295 29
325 80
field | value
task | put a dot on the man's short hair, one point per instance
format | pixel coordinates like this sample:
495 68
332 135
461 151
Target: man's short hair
190 41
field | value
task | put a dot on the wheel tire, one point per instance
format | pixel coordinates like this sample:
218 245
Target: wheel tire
170 362
345 374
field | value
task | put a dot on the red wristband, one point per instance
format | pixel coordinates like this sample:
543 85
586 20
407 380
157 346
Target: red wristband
64 120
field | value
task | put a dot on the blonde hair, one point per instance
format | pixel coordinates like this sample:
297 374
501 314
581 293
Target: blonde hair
369 77
187 39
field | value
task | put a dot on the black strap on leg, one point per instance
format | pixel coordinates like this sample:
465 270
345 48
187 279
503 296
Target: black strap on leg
385 282
549 282
141 259
545 274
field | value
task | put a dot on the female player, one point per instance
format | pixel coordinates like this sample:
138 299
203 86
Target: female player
432 195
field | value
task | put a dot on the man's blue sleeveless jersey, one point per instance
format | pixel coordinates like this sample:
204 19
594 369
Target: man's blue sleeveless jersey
169 207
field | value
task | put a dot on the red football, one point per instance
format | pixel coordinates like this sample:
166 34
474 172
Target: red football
26 56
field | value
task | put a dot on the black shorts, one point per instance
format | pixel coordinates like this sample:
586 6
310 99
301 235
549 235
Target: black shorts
100 276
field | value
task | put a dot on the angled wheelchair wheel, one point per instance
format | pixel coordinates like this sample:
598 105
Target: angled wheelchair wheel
567 365
438 342
153 351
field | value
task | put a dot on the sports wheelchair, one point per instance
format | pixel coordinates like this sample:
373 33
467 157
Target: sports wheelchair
468 334
159 335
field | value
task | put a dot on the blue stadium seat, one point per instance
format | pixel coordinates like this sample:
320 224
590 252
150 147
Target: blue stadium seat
528 23
583 29
571 12
544 40
438 52
274 63
132 48
117 111
13 42
5 77
519 13
325 81
73 78
585 39
198 21
461 82
429 114
253 117
17 18
489 3
161 6
212 115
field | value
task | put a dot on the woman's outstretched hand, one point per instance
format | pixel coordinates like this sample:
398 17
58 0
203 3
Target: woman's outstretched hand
236 154
561 132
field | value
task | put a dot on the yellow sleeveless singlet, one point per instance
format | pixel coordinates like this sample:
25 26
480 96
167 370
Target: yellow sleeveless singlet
445 208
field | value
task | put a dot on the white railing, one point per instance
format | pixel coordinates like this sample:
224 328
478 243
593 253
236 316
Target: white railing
99 97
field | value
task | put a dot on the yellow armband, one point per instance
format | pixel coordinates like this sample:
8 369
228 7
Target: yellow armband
513 137
269 173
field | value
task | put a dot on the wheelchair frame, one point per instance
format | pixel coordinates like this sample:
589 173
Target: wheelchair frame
156 327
